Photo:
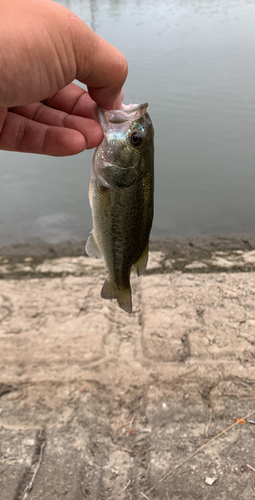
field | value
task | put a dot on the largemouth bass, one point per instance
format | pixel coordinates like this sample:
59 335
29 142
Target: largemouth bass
121 198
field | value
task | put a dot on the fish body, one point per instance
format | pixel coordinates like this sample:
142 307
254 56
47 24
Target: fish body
121 198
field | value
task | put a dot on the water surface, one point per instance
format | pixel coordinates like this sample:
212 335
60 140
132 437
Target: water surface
193 61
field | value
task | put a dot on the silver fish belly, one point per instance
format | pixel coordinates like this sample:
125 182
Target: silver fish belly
121 198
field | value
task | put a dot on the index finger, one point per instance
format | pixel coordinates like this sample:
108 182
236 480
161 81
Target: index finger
73 100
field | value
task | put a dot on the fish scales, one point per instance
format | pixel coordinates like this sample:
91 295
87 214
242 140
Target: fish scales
121 197
122 228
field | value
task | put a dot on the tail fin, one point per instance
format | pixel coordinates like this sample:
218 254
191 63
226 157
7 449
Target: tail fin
124 299
123 295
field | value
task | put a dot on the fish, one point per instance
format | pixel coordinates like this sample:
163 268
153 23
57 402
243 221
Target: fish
121 198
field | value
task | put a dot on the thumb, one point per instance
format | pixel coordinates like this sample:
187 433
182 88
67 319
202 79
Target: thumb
102 67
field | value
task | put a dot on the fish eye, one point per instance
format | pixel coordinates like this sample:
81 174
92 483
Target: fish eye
136 139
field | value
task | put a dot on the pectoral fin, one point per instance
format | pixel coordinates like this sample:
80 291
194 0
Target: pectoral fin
141 264
123 295
92 248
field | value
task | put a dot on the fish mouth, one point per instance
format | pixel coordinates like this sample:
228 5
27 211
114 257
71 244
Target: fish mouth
129 108
126 113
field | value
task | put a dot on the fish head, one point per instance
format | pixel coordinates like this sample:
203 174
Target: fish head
128 136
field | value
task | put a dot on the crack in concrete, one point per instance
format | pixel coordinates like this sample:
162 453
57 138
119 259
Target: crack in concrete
24 489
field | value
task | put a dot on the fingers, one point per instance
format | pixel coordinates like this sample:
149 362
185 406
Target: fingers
54 47
22 134
40 128
85 119
74 100
56 109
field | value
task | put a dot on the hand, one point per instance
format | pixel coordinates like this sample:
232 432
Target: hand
43 48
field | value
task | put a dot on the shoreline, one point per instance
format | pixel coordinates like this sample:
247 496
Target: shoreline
203 254
171 246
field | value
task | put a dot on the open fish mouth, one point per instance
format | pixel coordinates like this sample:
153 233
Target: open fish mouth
129 108
126 113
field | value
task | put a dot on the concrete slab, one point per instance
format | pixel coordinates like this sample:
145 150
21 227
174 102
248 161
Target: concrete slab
121 402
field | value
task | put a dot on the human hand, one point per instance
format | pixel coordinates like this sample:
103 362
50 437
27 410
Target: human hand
43 48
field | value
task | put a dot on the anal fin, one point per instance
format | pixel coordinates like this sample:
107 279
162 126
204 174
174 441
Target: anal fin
141 264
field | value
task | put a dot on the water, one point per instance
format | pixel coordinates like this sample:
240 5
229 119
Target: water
193 61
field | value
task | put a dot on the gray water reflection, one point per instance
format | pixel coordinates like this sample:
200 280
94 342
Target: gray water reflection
193 61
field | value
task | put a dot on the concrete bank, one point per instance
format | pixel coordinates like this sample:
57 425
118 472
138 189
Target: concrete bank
96 404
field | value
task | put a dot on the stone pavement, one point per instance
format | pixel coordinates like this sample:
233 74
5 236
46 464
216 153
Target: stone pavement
96 404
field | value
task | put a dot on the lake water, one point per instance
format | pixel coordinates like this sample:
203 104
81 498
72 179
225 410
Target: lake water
193 61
